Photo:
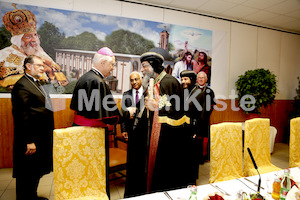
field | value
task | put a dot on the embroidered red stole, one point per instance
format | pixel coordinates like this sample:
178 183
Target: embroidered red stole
154 139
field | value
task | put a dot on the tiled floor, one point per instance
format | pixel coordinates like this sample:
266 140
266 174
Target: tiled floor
280 158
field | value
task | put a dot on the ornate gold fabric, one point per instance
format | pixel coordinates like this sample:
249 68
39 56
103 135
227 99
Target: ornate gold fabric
79 163
174 122
19 21
294 155
226 158
257 138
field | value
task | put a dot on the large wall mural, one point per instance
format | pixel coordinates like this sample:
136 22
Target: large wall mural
67 41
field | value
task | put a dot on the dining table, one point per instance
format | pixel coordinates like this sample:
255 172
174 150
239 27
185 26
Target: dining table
229 190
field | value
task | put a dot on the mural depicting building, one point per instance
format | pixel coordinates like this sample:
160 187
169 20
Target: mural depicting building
164 40
77 62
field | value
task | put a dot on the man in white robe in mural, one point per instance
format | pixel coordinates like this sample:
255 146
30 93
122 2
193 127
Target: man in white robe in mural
25 41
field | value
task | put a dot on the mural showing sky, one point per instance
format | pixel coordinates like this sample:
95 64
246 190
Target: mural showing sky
73 23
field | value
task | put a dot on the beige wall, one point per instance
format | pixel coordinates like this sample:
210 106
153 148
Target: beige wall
236 47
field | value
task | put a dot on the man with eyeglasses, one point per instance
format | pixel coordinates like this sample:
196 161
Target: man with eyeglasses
33 127
25 41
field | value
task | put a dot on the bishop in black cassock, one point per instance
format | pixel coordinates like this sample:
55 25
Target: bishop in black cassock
92 100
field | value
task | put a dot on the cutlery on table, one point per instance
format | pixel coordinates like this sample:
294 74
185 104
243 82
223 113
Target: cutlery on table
167 194
221 190
254 183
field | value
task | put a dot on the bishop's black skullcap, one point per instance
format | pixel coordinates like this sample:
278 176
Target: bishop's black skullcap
155 60
188 73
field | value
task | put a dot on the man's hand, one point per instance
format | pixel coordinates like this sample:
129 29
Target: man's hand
132 111
151 104
31 149
125 135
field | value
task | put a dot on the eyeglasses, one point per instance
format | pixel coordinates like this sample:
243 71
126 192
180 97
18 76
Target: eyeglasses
29 37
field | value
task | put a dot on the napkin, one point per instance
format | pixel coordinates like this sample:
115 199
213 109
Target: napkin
293 194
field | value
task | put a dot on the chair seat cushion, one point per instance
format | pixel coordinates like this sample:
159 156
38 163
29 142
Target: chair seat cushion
117 157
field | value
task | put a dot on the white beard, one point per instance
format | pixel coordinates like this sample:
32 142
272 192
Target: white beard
146 78
145 81
29 50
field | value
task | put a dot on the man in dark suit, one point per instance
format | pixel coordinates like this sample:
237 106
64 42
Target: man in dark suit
131 98
34 124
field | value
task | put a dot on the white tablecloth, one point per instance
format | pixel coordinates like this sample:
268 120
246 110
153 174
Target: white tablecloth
232 187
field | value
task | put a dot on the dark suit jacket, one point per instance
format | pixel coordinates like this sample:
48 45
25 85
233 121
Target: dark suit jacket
33 121
127 101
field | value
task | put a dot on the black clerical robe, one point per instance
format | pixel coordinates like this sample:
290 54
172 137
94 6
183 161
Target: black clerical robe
33 123
171 169
194 104
208 108
92 99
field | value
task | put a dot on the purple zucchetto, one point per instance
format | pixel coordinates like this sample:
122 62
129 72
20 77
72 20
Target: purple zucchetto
105 51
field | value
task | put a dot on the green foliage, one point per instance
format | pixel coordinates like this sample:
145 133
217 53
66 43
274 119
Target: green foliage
296 104
70 87
4 90
261 84
50 38
122 41
171 47
84 41
4 37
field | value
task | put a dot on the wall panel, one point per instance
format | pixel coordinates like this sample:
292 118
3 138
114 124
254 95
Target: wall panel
278 114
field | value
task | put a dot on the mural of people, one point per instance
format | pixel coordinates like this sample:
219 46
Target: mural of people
67 42
25 41
202 65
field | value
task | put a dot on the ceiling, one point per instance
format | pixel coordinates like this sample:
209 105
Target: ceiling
276 14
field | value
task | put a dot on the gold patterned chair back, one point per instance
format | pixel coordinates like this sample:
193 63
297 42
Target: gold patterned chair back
226 155
79 163
294 155
257 138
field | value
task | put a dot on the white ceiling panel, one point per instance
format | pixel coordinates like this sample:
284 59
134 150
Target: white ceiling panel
188 5
278 20
294 25
262 4
158 2
278 14
259 16
285 7
236 1
216 6
294 14
238 12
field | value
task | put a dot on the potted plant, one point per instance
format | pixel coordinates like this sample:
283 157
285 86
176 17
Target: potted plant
296 104
261 85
